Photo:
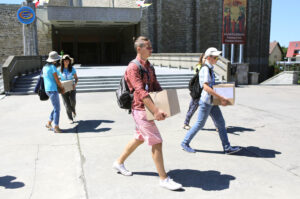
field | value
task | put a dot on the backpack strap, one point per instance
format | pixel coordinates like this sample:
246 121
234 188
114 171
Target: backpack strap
211 75
210 70
141 70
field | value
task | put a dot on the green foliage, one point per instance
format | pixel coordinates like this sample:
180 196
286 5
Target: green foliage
284 50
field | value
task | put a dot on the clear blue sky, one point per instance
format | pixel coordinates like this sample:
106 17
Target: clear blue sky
285 24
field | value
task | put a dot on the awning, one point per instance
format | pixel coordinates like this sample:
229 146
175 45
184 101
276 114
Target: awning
92 16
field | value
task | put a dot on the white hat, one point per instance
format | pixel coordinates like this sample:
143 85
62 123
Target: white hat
53 56
68 57
212 52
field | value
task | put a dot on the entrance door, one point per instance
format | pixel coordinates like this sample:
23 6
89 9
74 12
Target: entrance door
87 54
67 47
110 53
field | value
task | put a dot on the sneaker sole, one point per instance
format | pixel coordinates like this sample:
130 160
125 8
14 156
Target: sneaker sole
171 189
189 151
118 171
233 152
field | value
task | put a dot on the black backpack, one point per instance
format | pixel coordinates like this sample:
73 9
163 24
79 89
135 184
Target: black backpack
40 88
194 86
124 96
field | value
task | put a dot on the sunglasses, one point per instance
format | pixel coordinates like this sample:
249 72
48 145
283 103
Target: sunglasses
216 58
149 48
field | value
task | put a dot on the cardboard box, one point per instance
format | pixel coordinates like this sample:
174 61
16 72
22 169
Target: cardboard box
225 90
166 100
68 85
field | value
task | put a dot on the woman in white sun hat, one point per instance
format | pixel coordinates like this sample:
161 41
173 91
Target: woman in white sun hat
52 82
68 72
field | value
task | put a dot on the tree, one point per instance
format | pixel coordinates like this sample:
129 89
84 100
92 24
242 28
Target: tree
284 51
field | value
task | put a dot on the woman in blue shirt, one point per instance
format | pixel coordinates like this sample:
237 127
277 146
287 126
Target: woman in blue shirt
68 72
51 82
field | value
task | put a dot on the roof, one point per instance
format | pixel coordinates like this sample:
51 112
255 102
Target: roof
294 45
273 45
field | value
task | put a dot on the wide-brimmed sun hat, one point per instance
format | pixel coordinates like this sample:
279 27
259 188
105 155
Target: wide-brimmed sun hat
212 52
68 57
53 56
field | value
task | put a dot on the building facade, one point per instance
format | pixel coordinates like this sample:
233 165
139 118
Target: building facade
101 32
275 53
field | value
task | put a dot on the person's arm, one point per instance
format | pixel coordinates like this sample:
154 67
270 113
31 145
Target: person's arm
58 83
133 77
158 114
209 90
76 81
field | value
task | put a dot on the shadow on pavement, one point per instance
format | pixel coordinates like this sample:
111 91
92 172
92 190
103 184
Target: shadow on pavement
6 181
145 173
88 126
206 180
250 151
233 129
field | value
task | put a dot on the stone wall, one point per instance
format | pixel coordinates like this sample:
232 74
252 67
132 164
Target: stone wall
192 26
11 36
258 36
59 2
44 29
104 3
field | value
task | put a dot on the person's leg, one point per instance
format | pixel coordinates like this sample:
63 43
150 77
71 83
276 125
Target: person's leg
55 102
131 146
73 101
158 160
219 122
164 180
49 123
194 103
67 104
202 117
119 164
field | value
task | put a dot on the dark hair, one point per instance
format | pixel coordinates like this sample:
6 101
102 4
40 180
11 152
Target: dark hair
201 59
69 66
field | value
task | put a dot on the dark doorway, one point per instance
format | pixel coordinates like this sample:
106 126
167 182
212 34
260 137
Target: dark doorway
67 47
103 45
110 53
87 53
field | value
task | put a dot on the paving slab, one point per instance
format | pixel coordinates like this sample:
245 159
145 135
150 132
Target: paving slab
37 163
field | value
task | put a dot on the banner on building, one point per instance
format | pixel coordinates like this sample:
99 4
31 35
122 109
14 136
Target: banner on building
234 21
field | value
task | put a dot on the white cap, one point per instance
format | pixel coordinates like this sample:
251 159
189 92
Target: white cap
53 56
212 52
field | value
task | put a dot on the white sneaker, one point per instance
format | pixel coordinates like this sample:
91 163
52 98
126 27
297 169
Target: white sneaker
121 168
168 183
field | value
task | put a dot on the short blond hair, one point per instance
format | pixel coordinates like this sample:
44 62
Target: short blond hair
139 42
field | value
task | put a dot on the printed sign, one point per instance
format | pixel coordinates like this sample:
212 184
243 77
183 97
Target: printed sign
26 15
234 21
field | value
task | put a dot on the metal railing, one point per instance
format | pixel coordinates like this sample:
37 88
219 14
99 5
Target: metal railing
289 65
189 61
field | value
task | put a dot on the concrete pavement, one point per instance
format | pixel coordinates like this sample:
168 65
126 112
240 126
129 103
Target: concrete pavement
38 164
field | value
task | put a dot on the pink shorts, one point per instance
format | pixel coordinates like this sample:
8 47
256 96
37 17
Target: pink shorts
146 130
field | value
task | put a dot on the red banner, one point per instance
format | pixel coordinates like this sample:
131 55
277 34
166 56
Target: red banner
234 21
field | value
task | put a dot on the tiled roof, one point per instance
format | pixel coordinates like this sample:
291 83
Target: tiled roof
272 46
294 45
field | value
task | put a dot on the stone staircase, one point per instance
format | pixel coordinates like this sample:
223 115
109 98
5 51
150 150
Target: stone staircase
25 85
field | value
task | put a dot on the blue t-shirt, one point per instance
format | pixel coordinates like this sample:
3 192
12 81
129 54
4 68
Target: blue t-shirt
49 81
66 75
